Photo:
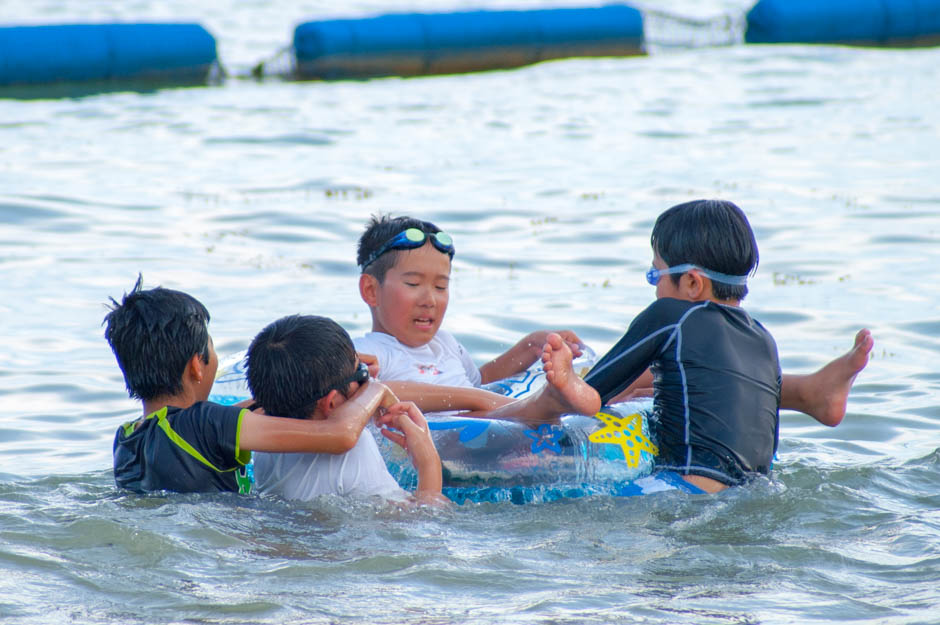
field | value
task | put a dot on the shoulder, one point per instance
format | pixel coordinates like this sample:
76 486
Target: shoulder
677 306
374 340
206 416
379 344
669 311
210 410
761 330
449 343
445 338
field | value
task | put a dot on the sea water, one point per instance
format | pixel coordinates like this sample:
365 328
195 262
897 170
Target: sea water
251 195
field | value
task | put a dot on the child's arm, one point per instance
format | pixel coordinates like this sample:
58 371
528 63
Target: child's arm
335 435
523 354
641 387
414 436
435 398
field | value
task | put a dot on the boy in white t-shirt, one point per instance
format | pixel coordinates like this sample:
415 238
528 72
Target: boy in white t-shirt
405 279
405 268
305 367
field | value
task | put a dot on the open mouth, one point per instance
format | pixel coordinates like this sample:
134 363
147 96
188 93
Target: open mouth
424 322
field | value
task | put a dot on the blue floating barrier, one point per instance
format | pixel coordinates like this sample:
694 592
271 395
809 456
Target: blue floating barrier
32 55
414 44
884 22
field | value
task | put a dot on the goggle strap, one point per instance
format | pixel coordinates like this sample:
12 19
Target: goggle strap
717 276
404 239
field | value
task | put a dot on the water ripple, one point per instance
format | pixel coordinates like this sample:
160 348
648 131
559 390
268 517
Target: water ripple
286 140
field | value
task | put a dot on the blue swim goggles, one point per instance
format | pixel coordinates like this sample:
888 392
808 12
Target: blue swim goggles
410 239
654 274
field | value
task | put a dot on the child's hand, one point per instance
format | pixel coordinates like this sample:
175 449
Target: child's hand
574 343
413 434
372 362
537 340
525 353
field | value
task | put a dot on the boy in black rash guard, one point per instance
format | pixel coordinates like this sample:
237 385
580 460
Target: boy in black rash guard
716 375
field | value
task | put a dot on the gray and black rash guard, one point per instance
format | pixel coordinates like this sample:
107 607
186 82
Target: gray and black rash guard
716 386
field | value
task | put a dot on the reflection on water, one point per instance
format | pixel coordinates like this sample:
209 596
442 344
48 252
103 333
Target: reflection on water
251 196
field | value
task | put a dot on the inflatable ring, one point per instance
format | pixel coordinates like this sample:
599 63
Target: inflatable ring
495 460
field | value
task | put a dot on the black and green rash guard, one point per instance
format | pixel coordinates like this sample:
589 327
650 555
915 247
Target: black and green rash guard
716 390
195 449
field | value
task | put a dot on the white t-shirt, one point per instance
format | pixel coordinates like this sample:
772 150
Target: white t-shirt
358 472
443 360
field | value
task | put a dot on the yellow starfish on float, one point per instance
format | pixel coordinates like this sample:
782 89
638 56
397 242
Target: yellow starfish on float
626 432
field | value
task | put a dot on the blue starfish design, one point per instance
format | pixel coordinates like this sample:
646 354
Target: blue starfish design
545 437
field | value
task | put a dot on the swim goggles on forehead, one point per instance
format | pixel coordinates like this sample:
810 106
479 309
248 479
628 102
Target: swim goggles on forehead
654 274
413 238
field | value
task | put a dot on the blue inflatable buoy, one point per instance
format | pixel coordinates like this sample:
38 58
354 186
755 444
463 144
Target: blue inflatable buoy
446 43
31 55
883 22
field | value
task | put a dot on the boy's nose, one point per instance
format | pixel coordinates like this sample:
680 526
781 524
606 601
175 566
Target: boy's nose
427 298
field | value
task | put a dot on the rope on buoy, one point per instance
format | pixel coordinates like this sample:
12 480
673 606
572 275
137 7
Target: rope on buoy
283 56
690 32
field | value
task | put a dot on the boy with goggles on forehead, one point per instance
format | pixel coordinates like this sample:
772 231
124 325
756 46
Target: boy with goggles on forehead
305 367
405 281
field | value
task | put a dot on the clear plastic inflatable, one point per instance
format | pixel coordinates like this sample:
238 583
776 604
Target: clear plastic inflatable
495 460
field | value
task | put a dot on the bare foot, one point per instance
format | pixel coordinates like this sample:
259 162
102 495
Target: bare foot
572 393
565 393
823 395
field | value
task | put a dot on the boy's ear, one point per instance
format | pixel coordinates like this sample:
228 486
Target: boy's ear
369 290
196 368
330 402
696 285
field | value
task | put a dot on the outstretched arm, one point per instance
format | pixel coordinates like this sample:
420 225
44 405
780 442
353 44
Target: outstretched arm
335 435
523 354
564 393
641 387
435 398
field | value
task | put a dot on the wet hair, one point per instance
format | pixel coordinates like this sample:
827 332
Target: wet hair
295 361
713 234
154 333
380 229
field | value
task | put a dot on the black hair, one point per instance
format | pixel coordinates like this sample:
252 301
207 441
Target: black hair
295 361
154 333
713 234
380 229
